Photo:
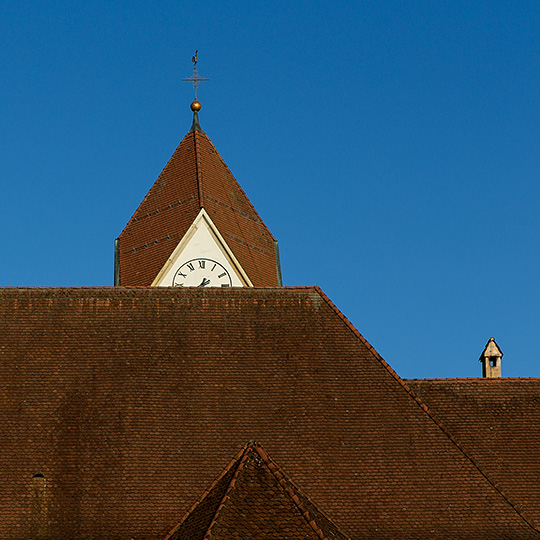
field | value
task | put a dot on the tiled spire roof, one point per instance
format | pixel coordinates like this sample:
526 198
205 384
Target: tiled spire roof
195 177
252 498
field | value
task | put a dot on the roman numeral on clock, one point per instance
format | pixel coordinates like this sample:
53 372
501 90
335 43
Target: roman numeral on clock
197 273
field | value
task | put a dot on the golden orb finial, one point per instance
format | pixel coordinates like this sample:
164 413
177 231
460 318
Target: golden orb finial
196 106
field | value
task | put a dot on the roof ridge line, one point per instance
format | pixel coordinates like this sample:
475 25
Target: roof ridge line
125 291
424 407
241 188
207 492
471 379
198 171
235 214
359 335
284 481
226 497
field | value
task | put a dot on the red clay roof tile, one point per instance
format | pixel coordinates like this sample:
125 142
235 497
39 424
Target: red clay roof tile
128 400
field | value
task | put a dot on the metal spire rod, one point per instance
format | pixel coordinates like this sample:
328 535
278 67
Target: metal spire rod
195 79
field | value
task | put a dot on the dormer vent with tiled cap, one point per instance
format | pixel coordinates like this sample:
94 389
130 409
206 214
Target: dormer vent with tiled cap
491 360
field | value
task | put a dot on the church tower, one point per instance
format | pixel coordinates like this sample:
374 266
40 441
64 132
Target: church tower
196 226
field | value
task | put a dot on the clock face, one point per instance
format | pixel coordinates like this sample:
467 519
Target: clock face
202 273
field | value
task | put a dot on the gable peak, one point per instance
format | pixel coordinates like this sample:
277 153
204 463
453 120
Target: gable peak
252 484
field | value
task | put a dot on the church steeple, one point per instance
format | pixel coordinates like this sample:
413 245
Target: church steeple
195 217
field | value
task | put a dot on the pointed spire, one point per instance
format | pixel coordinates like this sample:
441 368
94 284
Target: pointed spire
195 178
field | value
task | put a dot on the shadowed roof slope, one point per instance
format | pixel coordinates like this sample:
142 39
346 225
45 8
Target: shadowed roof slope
195 177
129 400
498 423
253 499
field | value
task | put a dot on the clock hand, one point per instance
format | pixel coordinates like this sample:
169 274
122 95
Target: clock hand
204 282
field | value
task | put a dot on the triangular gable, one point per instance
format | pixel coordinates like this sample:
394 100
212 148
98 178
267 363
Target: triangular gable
202 241
252 498
491 349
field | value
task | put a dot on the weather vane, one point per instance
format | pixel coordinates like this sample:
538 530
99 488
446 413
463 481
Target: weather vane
195 79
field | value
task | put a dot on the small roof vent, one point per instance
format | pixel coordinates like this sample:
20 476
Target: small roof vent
491 359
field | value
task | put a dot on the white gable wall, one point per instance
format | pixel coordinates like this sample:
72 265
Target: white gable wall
202 241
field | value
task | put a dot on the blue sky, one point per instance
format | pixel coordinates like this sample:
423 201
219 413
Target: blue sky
391 148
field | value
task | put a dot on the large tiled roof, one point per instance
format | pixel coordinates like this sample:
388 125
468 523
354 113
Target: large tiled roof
130 400
253 498
497 422
195 177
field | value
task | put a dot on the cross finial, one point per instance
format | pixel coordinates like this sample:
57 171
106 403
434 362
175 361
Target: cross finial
195 79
